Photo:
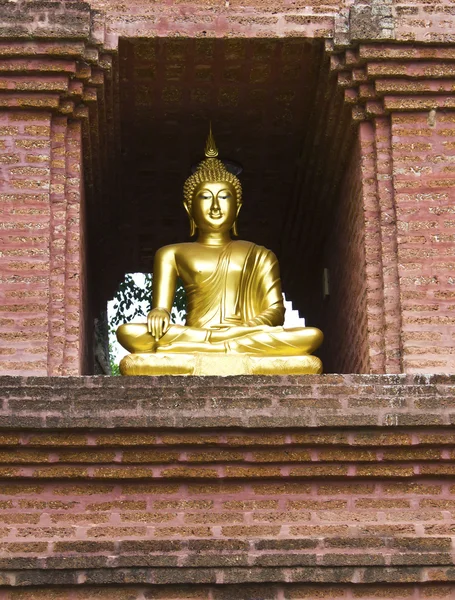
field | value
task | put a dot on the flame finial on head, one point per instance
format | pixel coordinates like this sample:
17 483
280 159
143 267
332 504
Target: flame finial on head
211 151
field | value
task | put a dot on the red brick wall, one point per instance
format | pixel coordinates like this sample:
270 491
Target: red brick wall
406 21
285 487
422 21
424 181
211 18
41 324
254 591
345 348
78 329
390 293
401 95
382 518
66 71
25 147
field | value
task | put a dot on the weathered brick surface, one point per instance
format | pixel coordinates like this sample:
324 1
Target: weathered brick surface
373 250
55 62
401 93
53 108
348 286
425 183
40 323
25 237
337 591
345 21
155 483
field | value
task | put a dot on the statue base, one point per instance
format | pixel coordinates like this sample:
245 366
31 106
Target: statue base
206 363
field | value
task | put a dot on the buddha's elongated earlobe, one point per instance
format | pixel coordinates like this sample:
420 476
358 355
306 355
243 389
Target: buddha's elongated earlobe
190 216
234 227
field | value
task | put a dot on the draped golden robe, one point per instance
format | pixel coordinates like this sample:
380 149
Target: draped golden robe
236 310
248 321
258 290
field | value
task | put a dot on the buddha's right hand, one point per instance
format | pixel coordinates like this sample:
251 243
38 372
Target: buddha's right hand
158 321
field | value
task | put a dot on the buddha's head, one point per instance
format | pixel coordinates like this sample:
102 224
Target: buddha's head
212 195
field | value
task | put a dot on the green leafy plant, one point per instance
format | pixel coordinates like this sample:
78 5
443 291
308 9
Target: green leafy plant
129 299
132 300
115 369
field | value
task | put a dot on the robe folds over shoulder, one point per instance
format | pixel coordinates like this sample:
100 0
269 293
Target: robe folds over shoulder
257 290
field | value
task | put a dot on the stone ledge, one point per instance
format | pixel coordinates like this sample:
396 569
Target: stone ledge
316 553
309 401
162 576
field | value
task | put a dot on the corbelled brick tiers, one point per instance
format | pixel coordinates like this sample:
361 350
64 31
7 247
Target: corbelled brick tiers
247 487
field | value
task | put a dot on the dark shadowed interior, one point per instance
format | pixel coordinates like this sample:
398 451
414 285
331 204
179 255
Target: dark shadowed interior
275 108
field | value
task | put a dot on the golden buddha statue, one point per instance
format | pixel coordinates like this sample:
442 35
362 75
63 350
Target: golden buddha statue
235 309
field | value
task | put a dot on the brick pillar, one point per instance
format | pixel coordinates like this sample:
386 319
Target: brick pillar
41 327
373 253
25 164
54 93
424 181
67 252
403 96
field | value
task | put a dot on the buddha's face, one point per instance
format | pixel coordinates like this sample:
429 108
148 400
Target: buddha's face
214 206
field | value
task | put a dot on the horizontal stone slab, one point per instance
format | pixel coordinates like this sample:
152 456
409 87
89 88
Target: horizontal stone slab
227 576
251 402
